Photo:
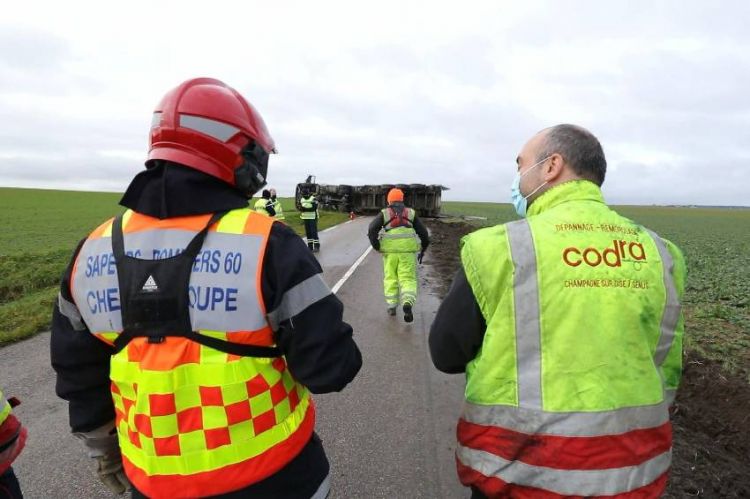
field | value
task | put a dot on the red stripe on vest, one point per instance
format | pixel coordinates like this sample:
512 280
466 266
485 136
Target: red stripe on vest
9 429
227 478
568 453
496 488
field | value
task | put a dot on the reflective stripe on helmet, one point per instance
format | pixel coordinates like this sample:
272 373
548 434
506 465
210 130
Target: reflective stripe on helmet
156 119
212 128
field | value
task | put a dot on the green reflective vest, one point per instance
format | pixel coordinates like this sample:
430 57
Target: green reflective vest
395 239
308 203
4 408
590 262
279 210
584 338
260 206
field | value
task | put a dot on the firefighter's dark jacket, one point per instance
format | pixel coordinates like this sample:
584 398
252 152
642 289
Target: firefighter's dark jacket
318 345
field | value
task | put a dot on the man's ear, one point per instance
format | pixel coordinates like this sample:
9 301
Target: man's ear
553 168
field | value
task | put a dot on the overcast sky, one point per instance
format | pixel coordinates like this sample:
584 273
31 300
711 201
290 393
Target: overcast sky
403 92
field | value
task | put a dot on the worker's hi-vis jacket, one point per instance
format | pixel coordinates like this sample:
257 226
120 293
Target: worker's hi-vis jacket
261 206
12 435
569 393
279 210
308 208
398 234
192 420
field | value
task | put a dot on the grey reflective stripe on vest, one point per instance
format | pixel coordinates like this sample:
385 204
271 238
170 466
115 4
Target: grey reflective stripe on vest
672 307
669 395
310 291
70 311
603 482
324 489
568 424
212 128
222 299
398 235
526 305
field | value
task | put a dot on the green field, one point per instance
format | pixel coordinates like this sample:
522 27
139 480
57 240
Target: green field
39 230
716 244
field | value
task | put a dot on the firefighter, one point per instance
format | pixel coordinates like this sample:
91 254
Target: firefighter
278 209
264 205
399 235
12 441
191 330
309 215
567 324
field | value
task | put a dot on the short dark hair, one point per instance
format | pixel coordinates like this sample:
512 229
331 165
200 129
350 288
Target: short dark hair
579 148
266 194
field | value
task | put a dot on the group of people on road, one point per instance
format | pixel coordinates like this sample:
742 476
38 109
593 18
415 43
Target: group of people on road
193 375
268 204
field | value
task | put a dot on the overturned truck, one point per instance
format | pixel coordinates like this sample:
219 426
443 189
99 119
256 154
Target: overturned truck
370 199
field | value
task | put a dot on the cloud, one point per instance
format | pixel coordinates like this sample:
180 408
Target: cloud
417 92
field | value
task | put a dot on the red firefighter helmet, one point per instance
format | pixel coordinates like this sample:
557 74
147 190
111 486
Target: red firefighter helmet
207 125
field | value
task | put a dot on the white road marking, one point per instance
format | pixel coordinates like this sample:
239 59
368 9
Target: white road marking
336 226
351 270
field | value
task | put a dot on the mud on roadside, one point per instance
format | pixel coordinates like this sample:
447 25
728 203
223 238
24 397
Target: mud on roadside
711 455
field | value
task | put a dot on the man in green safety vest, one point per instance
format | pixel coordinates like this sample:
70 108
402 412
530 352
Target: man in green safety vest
309 215
398 234
277 206
264 205
567 324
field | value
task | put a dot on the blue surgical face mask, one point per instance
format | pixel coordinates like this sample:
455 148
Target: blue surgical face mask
520 202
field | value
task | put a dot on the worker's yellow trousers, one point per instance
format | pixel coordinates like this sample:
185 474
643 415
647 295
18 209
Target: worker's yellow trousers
400 278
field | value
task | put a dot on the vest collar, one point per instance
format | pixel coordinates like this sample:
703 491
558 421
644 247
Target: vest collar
575 190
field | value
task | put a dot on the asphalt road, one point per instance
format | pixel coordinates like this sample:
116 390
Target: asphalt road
390 433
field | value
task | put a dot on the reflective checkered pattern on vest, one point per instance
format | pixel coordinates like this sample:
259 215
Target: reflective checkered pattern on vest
194 421
200 418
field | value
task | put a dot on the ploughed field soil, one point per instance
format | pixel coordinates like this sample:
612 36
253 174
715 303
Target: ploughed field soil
711 416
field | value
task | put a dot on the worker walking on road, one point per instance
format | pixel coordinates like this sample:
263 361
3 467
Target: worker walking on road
277 208
568 326
264 205
12 441
190 331
309 215
399 235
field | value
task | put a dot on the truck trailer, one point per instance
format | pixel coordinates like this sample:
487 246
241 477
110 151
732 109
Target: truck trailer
370 199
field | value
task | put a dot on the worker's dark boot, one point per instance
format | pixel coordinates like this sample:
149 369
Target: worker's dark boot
408 316
392 310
